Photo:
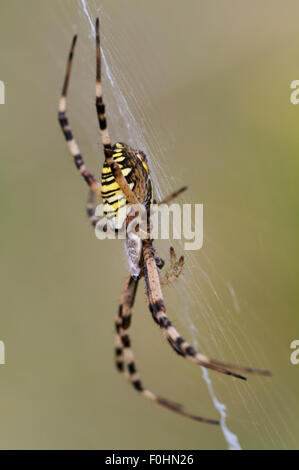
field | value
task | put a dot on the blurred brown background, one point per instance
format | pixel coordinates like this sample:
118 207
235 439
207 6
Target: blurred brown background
208 87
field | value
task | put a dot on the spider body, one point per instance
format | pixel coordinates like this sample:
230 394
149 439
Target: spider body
134 167
126 182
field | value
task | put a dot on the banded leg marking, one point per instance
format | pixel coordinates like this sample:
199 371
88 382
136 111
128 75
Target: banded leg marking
182 347
125 361
123 321
64 124
100 106
90 209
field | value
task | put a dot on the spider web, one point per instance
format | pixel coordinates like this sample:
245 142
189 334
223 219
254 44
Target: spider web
206 299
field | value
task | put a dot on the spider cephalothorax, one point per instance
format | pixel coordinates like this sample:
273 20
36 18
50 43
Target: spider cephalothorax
126 182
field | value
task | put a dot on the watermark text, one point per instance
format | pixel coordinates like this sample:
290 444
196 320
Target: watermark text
156 222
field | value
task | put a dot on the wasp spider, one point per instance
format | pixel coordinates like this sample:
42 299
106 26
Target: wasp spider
126 181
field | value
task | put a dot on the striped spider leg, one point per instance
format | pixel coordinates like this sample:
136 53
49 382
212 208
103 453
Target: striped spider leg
108 151
125 356
182 347
63 121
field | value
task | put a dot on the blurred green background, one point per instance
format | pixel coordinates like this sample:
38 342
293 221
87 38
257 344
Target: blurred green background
207 84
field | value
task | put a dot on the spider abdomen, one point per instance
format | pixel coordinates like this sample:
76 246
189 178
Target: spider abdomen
133 166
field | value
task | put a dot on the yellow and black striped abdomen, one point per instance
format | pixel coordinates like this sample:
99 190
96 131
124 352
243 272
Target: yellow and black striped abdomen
134 167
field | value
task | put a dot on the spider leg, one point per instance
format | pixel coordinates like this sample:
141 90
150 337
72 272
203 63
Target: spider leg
90 209
175 267
125 361
100 106
172 196
123 321
71 142
158 311
174 270
172 258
